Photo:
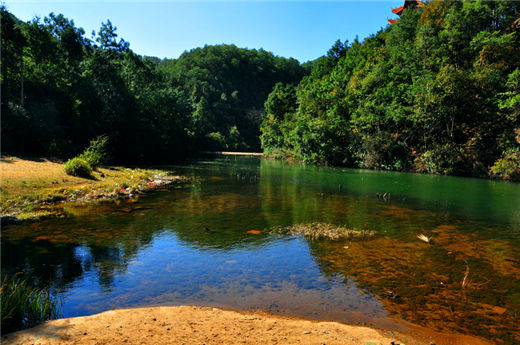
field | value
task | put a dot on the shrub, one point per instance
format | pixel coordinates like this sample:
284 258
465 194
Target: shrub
216 141
384 150
508 167
235 140
446 159
24 306
78 167
96 153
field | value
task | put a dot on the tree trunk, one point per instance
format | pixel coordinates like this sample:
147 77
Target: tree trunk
22 96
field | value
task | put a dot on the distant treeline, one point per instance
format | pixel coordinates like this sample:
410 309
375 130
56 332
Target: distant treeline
61 89
437 92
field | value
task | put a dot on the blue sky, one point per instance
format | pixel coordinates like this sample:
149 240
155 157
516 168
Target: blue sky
304 30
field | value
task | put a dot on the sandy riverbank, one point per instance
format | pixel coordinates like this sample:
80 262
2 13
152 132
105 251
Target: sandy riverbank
200 325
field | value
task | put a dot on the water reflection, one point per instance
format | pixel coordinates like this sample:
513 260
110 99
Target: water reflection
196 246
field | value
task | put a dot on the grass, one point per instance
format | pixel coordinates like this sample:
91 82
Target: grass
33 188
318 231
24 306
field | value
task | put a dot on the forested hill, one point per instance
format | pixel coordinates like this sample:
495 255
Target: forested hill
61 89
437 92
227 87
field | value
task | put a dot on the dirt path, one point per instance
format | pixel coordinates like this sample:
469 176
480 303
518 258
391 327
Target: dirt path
199 325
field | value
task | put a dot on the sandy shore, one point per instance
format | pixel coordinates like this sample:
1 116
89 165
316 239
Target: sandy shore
199 325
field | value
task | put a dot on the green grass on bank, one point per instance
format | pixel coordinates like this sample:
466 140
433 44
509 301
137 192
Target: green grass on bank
32 188
24 306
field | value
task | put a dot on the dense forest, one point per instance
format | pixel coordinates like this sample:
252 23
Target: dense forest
436 92
61 89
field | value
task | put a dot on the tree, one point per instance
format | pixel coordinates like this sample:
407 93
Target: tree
107 38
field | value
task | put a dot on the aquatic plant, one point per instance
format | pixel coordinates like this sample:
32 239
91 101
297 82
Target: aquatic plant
25 306
318 231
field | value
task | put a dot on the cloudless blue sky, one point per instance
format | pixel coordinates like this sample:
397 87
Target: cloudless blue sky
304 30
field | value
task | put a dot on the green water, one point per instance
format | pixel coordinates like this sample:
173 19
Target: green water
158 251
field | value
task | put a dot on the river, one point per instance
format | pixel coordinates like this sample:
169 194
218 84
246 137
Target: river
195 246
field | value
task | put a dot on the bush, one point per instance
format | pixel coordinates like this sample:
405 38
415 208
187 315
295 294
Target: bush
24 306
508 167
235 141
78 167
385 151
446 159
216 141
96 153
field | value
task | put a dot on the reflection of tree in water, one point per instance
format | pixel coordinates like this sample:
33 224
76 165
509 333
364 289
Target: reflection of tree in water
107 262
112 257
44 261
56 254
416 281
105 238
216 217
422 284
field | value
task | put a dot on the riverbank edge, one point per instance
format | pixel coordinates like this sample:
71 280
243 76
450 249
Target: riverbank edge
232 153
193 324
276 156
48 202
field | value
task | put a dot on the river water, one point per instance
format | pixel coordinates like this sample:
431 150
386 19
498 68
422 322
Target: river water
194 245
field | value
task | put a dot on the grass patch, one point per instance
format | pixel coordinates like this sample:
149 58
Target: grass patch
39 214
23 306
319 231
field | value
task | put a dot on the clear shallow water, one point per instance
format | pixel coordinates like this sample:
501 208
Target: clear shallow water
157 252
